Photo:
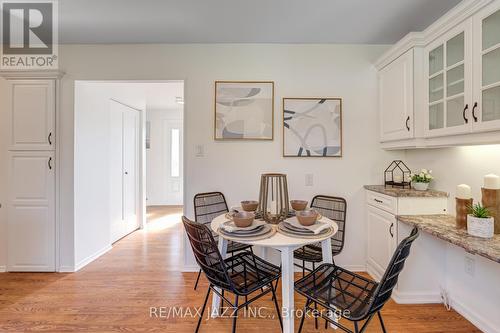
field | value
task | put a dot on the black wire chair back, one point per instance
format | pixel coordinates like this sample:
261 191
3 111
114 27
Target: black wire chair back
335 209
207 254
209 205
390 278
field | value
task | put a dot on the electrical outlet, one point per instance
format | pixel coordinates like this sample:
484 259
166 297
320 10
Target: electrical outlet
309 179
470 265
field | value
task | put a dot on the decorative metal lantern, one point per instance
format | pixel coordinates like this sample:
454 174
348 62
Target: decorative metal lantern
397 174
273 197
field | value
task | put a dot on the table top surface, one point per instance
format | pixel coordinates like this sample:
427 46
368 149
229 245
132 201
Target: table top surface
278 240
443 227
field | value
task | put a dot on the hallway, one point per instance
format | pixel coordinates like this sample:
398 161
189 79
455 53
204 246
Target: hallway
115 293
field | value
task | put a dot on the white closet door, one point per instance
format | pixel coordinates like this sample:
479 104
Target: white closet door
32 114
31 217
130 169
124 176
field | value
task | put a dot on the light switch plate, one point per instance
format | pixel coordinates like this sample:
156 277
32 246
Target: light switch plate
200 151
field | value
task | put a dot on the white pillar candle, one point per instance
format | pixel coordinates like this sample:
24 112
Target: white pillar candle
491 182
273 207
398 178
464 191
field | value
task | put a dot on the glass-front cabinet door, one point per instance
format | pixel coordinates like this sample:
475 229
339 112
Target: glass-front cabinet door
448 81
487 68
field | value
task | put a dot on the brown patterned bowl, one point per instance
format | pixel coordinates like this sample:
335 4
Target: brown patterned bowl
298 205
243 219
307 217
249 205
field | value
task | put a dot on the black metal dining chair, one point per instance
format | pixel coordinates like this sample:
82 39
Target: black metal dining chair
335 209
242 275
350 295
207 206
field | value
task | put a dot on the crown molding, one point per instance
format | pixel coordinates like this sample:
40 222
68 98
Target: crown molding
456 15
29 74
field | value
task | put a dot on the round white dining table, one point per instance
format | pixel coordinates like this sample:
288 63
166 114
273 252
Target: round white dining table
286 245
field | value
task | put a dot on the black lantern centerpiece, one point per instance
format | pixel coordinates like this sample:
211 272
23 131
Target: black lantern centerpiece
397 174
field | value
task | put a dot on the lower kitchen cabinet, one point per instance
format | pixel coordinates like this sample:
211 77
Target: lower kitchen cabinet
421 279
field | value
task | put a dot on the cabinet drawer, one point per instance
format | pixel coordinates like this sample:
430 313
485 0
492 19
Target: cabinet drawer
384 202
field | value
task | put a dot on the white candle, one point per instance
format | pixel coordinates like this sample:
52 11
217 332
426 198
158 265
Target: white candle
464 191
273 207
491 182
398 178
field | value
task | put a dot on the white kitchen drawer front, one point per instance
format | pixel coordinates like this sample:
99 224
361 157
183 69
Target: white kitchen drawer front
384 202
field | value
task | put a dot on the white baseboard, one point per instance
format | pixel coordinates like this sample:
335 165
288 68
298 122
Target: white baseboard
3 269
415 298
474 317
66 269
190 268
92 257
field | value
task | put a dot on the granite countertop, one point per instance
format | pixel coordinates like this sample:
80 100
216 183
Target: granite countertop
407 192
443 227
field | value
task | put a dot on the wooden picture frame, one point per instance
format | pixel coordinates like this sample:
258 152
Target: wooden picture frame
312 127
244 110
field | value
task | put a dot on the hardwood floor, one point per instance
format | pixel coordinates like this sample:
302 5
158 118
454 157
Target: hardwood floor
115 293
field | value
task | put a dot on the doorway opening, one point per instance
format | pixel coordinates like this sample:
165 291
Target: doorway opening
129 143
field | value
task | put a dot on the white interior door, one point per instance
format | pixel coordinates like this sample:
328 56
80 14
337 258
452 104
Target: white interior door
124 165
130 170
173 135
31 212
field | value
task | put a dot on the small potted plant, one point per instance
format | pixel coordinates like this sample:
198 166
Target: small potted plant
480 223
420 181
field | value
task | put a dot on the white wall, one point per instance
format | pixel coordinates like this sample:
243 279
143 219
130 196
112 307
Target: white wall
298 70
157 159
477 296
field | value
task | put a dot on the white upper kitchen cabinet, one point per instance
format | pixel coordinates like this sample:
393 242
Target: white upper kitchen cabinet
32 115
487 68
396 99
456 81
448 83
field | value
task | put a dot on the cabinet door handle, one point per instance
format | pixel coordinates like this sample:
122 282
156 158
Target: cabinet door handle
50 138
407 125
50 163
464 113
474 112
377 200
390 229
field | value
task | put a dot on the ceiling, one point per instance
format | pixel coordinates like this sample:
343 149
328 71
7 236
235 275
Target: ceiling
246 21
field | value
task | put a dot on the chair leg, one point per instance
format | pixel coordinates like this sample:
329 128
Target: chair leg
315 304
202 311
222 300
235 314
277 306
197 279
303 268
381 322
276 286
356 330
303 316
